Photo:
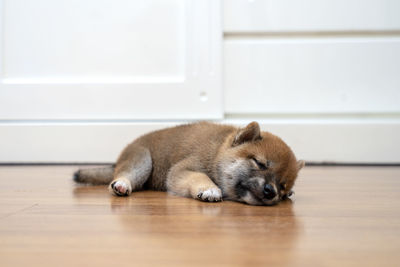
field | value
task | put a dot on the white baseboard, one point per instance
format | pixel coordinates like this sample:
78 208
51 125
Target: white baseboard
316 140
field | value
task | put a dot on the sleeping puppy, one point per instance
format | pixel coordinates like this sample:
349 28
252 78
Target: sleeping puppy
205 161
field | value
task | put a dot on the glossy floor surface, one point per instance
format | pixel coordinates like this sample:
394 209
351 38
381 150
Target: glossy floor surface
340 216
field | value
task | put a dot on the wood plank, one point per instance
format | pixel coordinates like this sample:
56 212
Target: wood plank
340 216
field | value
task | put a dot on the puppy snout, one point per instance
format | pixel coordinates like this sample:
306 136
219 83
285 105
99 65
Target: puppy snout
269 192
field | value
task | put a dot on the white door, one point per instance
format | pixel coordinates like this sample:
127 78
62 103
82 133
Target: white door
110 60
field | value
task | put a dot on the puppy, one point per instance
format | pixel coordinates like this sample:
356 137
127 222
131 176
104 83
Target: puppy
205 161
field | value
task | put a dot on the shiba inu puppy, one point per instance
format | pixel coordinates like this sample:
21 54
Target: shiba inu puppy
205 161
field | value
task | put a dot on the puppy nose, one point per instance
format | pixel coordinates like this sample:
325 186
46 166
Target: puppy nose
269 191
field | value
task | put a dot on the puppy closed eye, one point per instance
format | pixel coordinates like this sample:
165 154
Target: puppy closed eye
288 194
261 165
282 187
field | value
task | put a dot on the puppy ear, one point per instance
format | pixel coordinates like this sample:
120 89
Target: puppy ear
300 164
250 133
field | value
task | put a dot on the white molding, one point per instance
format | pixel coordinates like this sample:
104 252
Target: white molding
316 140
97 80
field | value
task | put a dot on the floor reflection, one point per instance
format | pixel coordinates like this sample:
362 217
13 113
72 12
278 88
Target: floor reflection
189 230
230 228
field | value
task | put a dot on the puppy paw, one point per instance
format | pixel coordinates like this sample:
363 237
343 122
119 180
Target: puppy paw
212 194
120 187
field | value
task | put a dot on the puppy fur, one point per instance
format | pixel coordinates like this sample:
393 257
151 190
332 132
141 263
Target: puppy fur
205 161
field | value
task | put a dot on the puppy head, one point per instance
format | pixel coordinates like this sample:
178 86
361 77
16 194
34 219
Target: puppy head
258 168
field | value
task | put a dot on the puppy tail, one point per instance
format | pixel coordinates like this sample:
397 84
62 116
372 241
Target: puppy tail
94 176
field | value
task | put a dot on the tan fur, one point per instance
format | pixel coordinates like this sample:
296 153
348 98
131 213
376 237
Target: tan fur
94 175
203 160
192 184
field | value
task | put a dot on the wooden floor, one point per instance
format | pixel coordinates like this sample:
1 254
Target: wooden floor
340 216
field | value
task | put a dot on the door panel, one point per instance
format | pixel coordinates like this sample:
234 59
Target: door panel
113 59
312 75
311 15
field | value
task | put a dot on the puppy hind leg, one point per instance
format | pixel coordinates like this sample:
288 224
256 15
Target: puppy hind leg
132 170
120 187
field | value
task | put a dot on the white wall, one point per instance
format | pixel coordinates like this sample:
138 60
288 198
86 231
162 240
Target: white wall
81 79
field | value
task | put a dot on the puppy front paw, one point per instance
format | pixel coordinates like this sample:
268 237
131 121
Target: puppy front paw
212 194
120 187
